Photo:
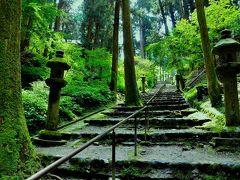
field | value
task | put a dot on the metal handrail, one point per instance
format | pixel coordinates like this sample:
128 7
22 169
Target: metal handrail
196 78
62 160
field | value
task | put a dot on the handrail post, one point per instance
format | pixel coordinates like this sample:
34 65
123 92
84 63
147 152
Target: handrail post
135 136
146 114
113 154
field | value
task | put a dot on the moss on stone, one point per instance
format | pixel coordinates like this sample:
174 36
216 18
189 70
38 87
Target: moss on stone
50 135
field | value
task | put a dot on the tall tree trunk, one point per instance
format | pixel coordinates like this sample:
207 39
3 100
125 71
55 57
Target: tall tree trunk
181 11
131 89
172 15
186 9
96 36
142 41
90 26
192 5
213 87
57 24
26 32
16 151
114 75
163 16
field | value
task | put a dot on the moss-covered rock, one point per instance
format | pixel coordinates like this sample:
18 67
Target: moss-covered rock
50 135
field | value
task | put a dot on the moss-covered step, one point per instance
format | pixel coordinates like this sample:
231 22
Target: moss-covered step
166 113
166 99
49 138
153 135
170 123
154 107
168 102
153 113
162 102
152 162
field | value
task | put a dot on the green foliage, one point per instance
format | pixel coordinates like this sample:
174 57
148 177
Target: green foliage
217 122
131 172
69 109
182 49
142 67
88 78
35 66
191 95
36 18
218 119
79 95
120 81
10 178
221 15
35 106
90 94
100 15
147 68
99 63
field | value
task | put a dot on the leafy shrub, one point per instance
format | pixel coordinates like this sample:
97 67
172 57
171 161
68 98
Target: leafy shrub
191 96
142 67
35 105
120 81
69 109
90 94
147 68
33 68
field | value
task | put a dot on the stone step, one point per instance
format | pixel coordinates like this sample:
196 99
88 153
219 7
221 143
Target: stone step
220 141
154 162
169 98
165 98
165 113
153 135
167 102
154 122
155 107
162 102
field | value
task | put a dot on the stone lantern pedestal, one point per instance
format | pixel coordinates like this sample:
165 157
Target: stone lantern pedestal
50 136
178 77
143 83
228 66
56 83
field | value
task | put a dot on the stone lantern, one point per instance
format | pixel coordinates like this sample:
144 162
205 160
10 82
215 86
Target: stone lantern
143 77
55 82
227 67
178 77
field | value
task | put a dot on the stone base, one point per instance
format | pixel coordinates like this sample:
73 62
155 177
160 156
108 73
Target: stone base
47 143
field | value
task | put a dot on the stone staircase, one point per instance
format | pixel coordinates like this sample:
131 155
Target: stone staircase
172 149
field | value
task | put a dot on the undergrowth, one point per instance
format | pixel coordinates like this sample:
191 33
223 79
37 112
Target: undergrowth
216 115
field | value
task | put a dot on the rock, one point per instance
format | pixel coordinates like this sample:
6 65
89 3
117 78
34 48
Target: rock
143 152
185 149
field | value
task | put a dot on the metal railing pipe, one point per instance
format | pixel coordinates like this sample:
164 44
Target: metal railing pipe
55 164
135 136
113 155
62 160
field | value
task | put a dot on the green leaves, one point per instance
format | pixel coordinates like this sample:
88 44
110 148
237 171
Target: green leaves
182 49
